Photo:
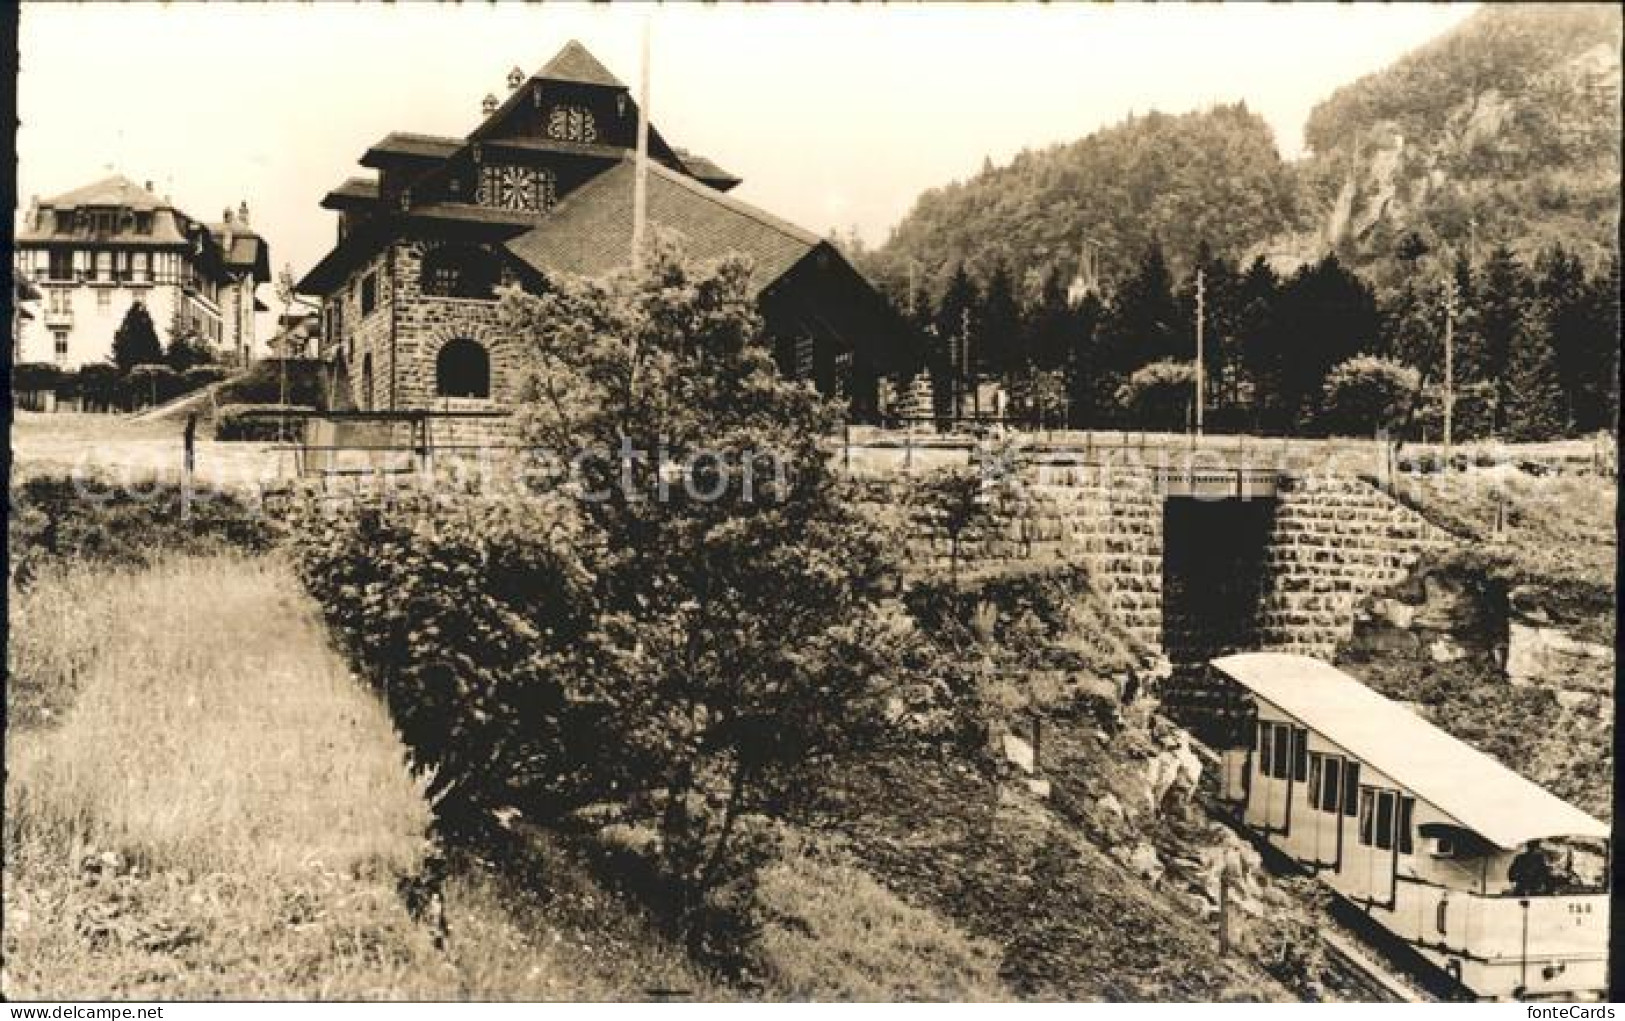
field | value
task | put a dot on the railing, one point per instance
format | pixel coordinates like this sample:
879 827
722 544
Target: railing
335 444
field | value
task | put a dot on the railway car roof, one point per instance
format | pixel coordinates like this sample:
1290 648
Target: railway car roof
1458 779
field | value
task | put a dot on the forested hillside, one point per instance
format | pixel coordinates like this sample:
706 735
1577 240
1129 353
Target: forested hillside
1504 130
1472 188
1177 180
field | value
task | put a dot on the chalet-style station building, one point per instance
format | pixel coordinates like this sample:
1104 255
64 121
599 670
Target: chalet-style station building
543 186
96 251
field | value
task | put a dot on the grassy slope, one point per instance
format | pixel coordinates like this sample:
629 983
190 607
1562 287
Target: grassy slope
207 806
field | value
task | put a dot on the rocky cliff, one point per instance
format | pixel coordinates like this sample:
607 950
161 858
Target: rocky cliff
1506 129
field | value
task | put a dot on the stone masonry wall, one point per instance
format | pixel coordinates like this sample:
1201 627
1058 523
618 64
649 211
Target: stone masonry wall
1334 543
413 326
1107 519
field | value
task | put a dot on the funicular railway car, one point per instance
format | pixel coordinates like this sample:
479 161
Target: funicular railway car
1497 881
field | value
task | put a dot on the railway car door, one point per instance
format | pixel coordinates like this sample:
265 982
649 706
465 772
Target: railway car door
1377 842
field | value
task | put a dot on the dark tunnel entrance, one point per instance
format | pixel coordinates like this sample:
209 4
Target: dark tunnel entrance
1213 576
1214 579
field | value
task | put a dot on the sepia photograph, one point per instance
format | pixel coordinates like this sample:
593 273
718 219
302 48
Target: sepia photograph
739 503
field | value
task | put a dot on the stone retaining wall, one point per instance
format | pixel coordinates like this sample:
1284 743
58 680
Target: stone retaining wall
1333 542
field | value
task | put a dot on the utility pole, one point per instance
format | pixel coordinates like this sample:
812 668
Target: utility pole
640 176
1449 365
1201 292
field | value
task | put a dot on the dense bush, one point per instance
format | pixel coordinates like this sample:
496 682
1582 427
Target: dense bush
30 376
187 352
277 380
99 386
200 376
1159 395
689 660
149 384
1366 395
57 520
260 422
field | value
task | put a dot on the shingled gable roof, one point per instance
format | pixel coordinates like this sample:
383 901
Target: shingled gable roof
590 232
117 190
353 190
410 144
575 63
246 250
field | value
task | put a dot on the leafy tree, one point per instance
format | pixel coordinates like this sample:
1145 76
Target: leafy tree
1156 178
1365 395
187 352
681 618
739 635
136 341
1158 396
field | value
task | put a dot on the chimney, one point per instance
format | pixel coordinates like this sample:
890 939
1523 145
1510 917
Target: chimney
149 185
516 78
489 107
242 212
226 216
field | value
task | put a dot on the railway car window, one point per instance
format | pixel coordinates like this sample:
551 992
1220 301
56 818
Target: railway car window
1351 787
1438 917
1283 750
1384 829
1266 732
1407 808
1300 753
1329 800
1365 815
1314 781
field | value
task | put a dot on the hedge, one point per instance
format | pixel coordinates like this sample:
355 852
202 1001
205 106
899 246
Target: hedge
200 376
259 422
30 376
150 384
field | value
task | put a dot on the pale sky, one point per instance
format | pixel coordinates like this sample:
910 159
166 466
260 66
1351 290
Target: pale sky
834 116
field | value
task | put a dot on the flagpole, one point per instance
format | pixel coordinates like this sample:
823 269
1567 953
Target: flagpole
640 177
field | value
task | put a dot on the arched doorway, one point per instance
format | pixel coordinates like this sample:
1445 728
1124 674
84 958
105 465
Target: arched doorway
463 369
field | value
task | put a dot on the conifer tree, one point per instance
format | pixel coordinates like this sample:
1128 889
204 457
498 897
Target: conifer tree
1534 408
136 340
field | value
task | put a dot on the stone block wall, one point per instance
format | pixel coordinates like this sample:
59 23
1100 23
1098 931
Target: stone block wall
412 326
425 323
1334 543
1108 519
1330 543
